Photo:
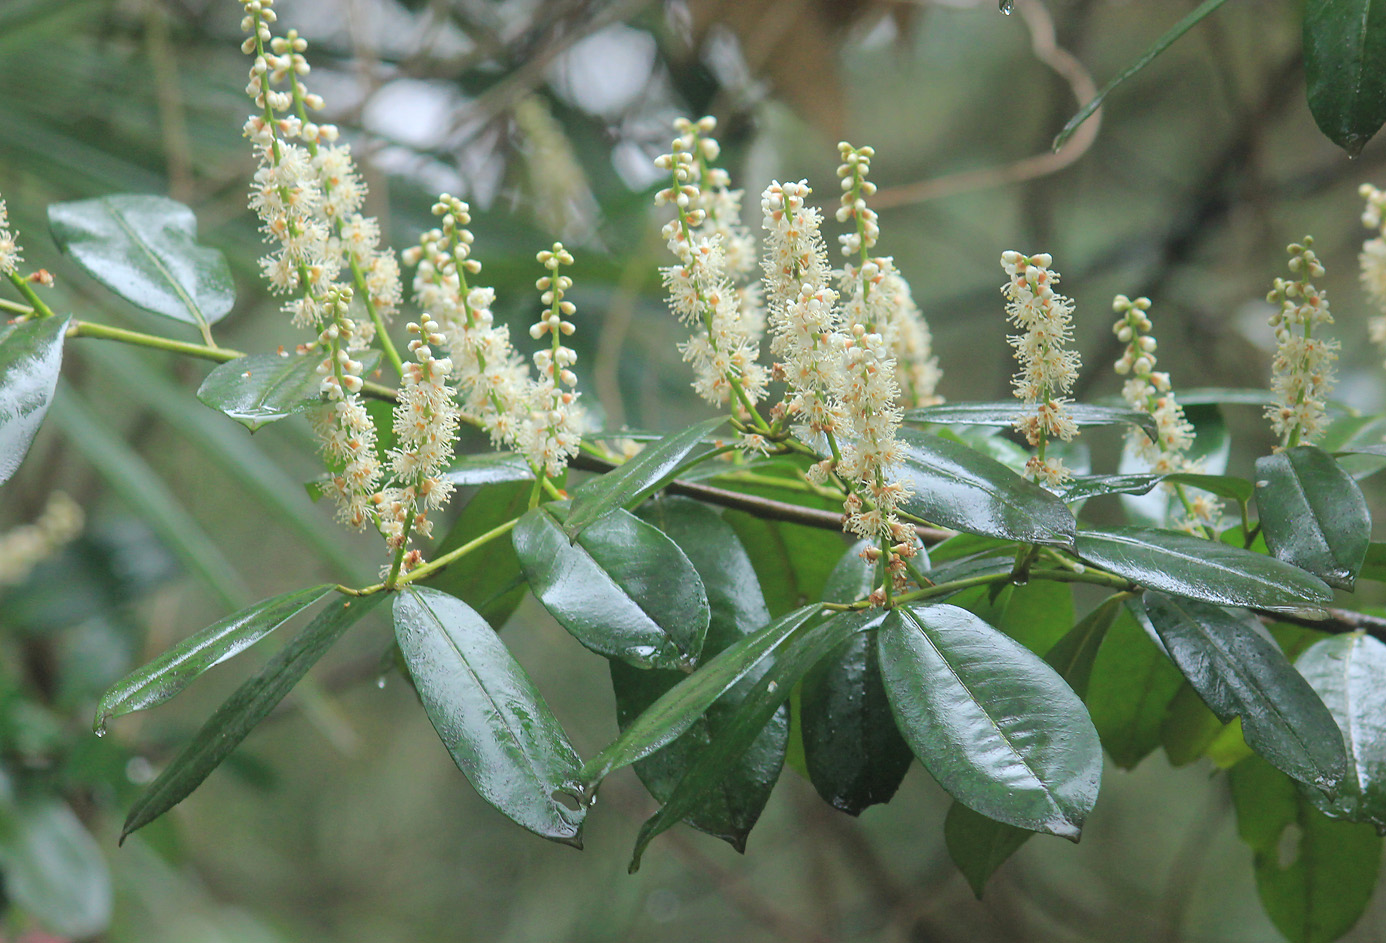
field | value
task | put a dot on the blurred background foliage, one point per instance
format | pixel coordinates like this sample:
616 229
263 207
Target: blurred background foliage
344 820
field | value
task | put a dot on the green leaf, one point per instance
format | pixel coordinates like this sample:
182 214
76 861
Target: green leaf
792 560
1312 513
1004 414
958 487
31 357
1347 671
621 588
1211 449
1201 569
489 715
1189 729
731 808
1036 614
144 248
488 468
1074 655
262 388
244 709
1231 396
177 667
762 702
1131 686
490 580
1159 46
1239 671
1093 486
53 869
652 468
997 727
1315 875
853 751
1345 69
681 706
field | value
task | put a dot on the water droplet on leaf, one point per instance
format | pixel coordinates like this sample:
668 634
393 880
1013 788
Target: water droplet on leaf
1007 6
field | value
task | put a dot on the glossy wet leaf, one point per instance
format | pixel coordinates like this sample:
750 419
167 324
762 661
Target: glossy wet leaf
53 869
762 702
681 706
261 388
1345 69
178 666
244 709
1315 875
1347 671
995 726
1004 414
1201 569
853 752
1239 671
621 588
733 805
489 579
488 468
1129 690
650 469
488 713
31 357
959 487
1312 513
144 248
1092 486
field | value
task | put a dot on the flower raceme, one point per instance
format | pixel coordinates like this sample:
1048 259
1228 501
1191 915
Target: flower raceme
1302 373
1372 260
10 253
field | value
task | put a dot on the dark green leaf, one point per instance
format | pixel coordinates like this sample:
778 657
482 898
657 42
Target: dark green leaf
958 487
1312 513
53 868
144 248
31 357
1201 569
243 710
995 725
647 472
176 668
1374 564
1092 486
261 388
1074 655
1239 671
678 709
1315 875
1345 69
761 703
731 809
792 560
622 588
489 468
1005 413
853 751
1159 46
1347 672
1130 688
489 715
491 580
1189 729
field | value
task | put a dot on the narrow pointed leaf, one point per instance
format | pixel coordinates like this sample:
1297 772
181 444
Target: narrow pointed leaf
1093 486
176 668
243 711
1074 655
681 706
1129 690
262 388
649 470
1201 569
31 357
488 714
1345 69
53 868
733 805
759 707
144 248
490 580
959 487
1315 875
1239 671
1347 672
1004 414
995 725
621 588
1312 513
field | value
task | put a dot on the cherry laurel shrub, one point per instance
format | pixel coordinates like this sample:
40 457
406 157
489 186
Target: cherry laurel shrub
946 632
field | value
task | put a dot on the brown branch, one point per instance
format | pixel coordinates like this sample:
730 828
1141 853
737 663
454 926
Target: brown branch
1337 622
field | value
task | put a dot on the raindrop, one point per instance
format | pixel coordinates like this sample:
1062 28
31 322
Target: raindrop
380 682
1007 6
101 730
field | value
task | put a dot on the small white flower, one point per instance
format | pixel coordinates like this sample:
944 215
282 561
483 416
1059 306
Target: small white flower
1302 373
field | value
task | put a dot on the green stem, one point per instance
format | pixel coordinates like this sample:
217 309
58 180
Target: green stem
16 307
393 578
31 296
426 570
